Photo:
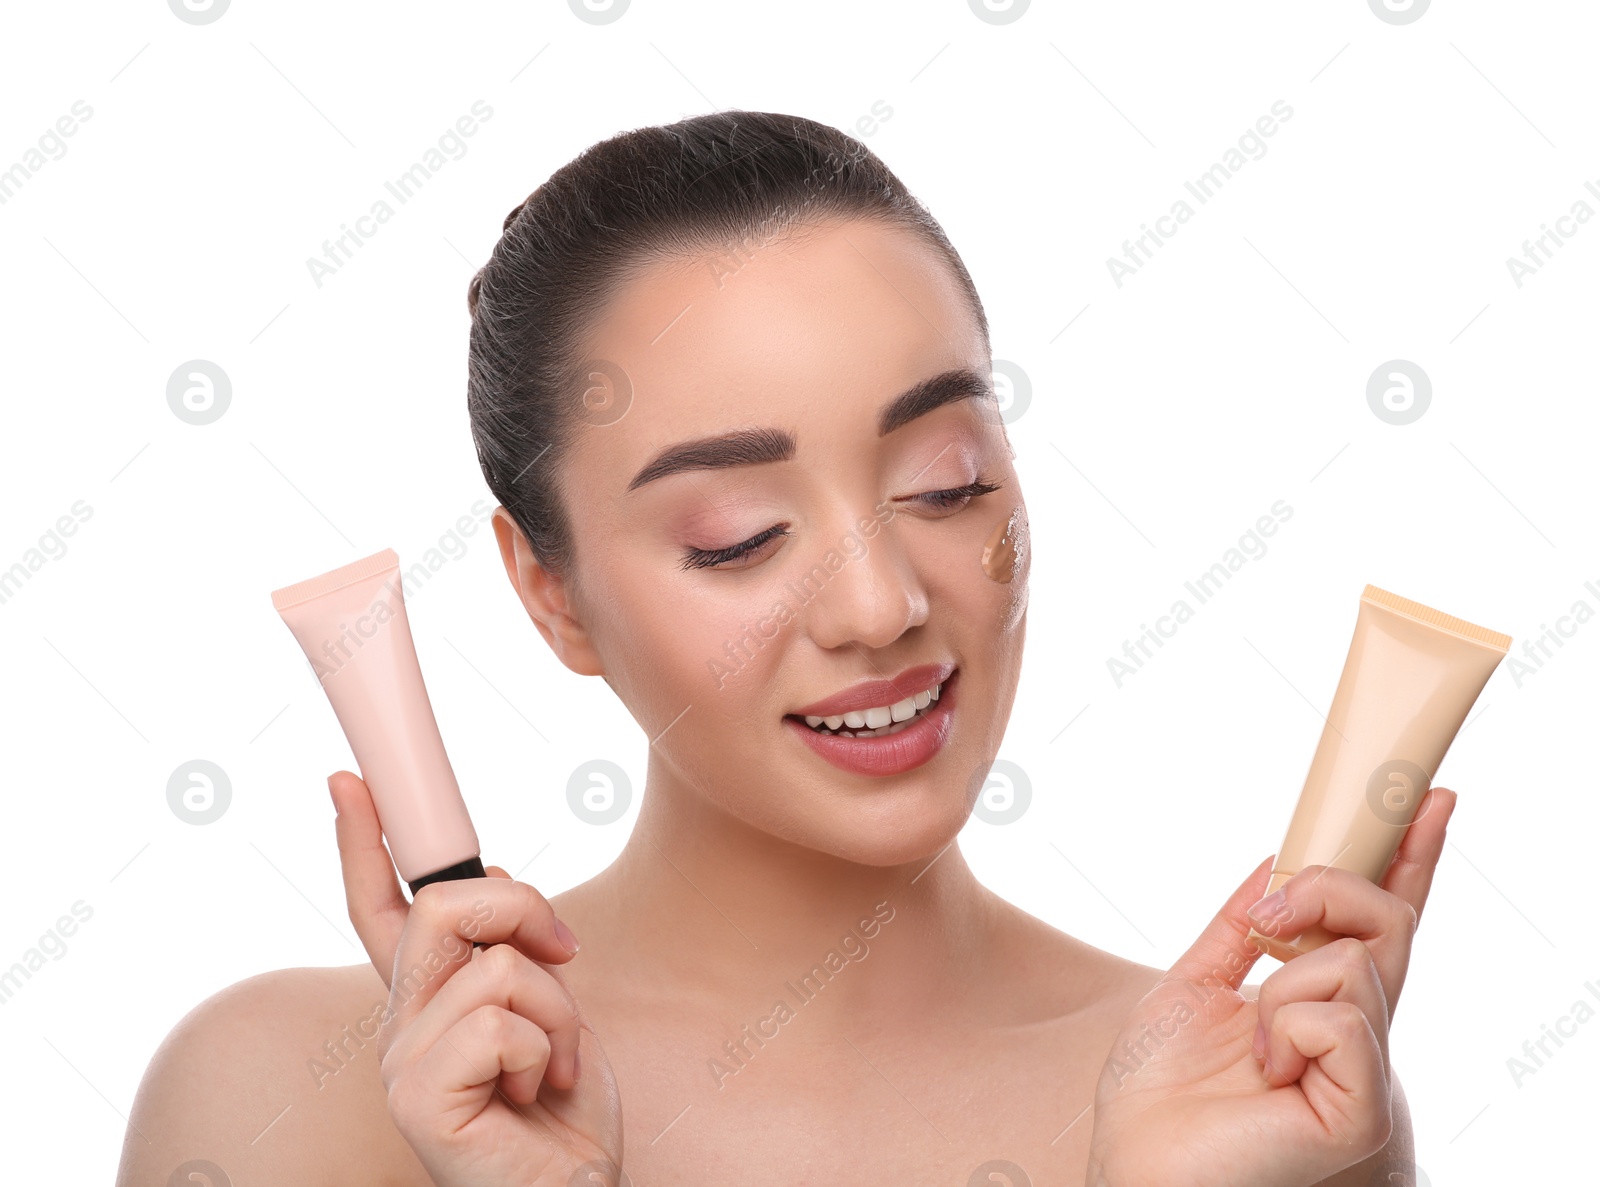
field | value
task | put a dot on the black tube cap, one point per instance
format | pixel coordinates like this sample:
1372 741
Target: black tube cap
471 868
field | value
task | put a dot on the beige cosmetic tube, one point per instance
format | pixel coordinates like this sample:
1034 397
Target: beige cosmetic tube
351 623
1411 676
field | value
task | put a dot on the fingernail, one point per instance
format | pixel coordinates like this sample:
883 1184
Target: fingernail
568 940
332 797
1259 1043
1268 907
575 1059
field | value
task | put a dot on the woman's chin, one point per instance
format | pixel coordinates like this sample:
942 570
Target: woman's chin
912 831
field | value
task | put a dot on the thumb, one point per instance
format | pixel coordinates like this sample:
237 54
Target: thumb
372 893
1223 953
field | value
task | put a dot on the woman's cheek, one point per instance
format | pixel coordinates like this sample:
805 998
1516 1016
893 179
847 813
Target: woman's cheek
730 653
1017 602
1006 561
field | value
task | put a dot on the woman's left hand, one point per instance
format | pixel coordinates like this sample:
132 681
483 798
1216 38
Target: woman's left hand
1183 1099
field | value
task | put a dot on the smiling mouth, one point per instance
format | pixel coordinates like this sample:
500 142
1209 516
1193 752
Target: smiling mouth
880 721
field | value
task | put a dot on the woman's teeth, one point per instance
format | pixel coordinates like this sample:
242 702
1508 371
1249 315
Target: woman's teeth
875 722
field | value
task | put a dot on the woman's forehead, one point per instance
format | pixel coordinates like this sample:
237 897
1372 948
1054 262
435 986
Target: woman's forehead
845 282
834 324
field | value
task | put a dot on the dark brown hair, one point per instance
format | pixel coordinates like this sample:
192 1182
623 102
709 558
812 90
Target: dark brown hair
667 192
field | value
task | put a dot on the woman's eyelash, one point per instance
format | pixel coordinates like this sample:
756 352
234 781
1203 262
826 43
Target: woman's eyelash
703 558
946 498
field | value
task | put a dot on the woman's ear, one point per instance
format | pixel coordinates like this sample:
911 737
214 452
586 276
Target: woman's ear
545 597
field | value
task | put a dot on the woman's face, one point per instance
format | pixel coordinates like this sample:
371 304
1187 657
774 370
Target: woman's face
857 572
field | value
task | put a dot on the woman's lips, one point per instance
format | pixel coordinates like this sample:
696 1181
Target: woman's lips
870 693
887 754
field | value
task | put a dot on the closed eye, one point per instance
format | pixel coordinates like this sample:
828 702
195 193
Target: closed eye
959 496
703 558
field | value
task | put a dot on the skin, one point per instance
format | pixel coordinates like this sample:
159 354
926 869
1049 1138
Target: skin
968 1030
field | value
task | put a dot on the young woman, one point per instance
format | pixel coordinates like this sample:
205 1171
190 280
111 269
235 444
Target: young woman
729 382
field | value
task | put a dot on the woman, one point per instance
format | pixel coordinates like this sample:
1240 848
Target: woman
729 382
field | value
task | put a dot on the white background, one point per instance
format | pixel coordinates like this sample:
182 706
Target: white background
1166 415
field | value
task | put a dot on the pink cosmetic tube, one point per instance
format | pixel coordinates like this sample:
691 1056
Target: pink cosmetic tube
351 623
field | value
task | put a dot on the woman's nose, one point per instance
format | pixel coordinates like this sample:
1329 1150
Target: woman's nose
870 595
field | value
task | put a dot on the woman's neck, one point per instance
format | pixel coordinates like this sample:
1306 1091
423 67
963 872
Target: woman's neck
701 908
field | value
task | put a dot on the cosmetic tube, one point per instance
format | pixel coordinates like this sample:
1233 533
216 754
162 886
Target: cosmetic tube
1409 679
351 623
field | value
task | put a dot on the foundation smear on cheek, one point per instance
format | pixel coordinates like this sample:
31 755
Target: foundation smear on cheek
1006 548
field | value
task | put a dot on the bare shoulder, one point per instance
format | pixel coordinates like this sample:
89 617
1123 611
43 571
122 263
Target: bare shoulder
1074 976
272 1079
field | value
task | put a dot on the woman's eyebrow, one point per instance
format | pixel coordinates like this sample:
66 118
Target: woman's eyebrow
754 447
947 387
744 447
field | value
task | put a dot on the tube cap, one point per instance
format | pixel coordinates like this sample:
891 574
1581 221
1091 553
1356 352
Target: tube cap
471 868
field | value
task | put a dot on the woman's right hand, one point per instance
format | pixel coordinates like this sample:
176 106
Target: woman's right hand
480 1048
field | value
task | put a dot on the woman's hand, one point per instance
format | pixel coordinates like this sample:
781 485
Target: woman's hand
481 1048
1183 1100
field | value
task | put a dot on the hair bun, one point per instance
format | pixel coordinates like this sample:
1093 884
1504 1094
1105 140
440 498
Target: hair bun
516 210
